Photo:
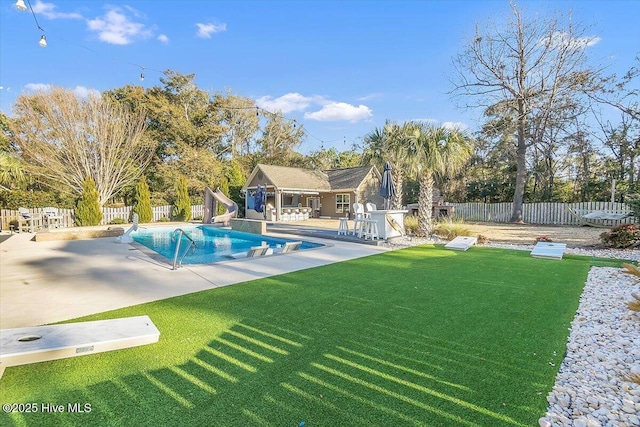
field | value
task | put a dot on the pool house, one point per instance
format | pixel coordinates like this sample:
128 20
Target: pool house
295 194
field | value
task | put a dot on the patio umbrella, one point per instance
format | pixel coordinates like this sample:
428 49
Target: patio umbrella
387 187
258 200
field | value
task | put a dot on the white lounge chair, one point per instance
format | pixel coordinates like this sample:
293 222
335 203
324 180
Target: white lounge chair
290 247
256 251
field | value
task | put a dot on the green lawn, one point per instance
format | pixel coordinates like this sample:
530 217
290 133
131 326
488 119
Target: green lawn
421 336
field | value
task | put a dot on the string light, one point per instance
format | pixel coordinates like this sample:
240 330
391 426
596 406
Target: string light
21 6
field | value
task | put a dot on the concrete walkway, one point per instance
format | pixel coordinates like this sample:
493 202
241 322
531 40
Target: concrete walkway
47 282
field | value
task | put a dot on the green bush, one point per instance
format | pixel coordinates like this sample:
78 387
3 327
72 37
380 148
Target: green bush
14 199
621 236
88 210
182 205
116 221
142 202
164 219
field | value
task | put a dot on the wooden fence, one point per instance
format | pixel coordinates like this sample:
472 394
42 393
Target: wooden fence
536 213
108 214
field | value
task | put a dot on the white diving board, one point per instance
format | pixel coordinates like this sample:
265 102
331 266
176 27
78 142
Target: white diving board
21 346
461 243
548 250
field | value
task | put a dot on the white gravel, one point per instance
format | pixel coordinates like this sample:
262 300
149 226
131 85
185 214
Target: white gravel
592 388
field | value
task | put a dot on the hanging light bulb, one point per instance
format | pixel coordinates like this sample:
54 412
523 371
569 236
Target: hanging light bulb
43 41
20 5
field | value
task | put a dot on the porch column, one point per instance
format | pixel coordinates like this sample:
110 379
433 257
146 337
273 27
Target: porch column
278 197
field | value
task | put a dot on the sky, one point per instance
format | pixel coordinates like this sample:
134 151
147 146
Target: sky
339 68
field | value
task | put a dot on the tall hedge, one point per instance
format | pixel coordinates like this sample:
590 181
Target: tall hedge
142 202
182 205
88 210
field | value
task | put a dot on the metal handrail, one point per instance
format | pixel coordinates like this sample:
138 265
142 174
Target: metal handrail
192 245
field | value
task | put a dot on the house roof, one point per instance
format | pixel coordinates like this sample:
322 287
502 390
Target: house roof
284 177
348 178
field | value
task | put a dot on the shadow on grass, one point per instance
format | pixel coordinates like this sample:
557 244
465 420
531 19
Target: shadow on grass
417 337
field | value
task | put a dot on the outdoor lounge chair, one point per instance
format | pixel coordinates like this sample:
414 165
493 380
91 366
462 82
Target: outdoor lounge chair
290 247
257 251
600 218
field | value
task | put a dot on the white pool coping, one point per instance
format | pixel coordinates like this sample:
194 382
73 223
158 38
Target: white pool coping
47 282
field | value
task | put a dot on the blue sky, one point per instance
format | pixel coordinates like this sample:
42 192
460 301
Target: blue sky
339 68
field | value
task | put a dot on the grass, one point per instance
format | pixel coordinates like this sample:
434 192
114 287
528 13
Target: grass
421 336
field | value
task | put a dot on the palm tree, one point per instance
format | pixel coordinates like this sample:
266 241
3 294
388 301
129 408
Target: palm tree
435 151
11 170
389 144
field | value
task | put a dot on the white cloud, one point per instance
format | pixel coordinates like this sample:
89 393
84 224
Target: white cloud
340 111
560 39
80 91
163 38
115 27
84 92
289 102
38 87
206 30
48 11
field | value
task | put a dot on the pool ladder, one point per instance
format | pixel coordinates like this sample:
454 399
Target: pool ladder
179 232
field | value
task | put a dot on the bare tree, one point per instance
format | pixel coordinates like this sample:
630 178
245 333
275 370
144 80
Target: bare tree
65 138
527 67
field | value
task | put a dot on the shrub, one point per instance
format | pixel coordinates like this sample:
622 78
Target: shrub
449 229
88 210
621 236
142 202
410 224
182 206
482 239
116 221
164 219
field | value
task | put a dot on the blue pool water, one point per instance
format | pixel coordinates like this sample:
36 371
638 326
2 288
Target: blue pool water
212 244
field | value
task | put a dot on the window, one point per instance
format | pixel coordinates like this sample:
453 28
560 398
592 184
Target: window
343 201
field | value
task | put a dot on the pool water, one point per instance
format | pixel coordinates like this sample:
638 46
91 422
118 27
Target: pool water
212 244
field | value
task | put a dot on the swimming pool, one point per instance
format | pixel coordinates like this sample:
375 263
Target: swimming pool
212 244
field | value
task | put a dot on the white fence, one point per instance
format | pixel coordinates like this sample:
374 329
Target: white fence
108 214
536 213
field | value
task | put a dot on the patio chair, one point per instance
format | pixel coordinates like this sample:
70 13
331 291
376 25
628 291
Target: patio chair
371 207
27 220
52 217
359 216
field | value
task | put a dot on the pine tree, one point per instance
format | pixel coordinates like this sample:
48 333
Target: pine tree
182 205
143 201
88 210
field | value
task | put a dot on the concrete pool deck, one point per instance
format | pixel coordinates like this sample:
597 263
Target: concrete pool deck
52 281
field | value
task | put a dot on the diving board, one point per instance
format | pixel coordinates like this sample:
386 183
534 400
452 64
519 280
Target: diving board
548 250
21 346
461 243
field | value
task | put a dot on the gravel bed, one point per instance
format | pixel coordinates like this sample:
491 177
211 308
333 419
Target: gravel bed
592 388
